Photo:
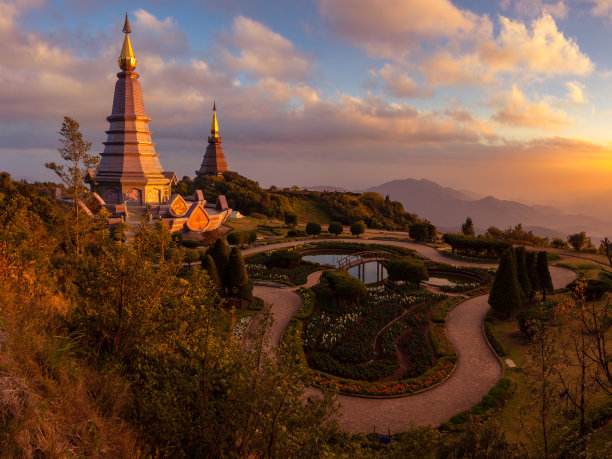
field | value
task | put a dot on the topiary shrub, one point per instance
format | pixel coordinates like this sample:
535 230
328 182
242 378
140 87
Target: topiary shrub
408 270
235 238
313 228
335 228
358 228
346 289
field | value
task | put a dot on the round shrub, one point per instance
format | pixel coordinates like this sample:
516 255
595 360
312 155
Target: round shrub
408 270
235 238
335 228
358 228
313 228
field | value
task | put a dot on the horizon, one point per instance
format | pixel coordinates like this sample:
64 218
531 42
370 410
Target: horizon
505 99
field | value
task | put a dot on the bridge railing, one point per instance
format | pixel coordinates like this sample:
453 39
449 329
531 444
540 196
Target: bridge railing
363 257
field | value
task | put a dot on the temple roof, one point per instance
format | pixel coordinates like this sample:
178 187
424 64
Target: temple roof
214 162
127 60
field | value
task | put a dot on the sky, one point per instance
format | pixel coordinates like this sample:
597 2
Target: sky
510 98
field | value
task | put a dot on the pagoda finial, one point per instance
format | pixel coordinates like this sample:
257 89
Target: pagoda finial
127 60
126 25
214 126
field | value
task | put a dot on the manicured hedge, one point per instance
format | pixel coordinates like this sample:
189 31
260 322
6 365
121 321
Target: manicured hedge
440 342
495 399
494 339
408 386
368 372
476 246
441 310
308 303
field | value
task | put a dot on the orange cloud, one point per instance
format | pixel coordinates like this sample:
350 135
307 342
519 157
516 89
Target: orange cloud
516 110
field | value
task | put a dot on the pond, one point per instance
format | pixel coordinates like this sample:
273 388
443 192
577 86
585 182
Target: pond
369 273
440 280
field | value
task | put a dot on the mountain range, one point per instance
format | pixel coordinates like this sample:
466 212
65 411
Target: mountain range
448 208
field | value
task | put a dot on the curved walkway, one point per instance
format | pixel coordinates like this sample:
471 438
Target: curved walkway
477 370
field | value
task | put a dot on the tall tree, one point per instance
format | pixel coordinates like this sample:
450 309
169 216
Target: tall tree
505 293
576 371
542 396
467 228
75 151
577 240
521 270
546 284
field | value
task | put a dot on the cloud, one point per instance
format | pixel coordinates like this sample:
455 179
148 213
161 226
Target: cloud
263 53
539 51
397 82
533 8
601 8
517 111
575 92
391 28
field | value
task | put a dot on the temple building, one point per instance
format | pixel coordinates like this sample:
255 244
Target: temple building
214 160
129 170
130 180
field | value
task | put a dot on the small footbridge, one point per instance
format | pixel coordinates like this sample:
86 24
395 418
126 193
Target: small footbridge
359 258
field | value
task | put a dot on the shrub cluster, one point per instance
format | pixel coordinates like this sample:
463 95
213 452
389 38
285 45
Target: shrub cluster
242 237
476 246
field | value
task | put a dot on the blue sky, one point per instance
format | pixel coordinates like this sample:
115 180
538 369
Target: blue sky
511 98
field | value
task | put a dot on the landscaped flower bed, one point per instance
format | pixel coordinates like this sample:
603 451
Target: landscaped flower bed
366 372
456 288
436 375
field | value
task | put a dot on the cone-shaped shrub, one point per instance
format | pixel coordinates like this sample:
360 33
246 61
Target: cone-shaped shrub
505 293
220 254
521 271
236 272
211 268
546 284
532 272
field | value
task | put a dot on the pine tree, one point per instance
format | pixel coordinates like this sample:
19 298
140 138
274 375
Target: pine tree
211 268
532 272
521 270
75 151
468 227
505 293
546 284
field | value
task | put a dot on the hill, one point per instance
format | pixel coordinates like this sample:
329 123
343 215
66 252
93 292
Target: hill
447 209
249 198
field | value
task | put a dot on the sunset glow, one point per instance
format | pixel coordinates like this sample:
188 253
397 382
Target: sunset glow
474 95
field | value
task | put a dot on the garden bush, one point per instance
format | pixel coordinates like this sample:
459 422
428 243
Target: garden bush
308 303
335 228
313 228
284 258
346 290
407 270
190 244
476 246
441 344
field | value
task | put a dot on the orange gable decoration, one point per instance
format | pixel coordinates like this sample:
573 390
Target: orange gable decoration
95 203
198 219
178 206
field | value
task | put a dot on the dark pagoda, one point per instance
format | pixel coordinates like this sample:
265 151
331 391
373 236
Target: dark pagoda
129 169
214 160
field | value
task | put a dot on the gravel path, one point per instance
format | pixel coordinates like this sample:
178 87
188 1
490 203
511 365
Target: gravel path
477 369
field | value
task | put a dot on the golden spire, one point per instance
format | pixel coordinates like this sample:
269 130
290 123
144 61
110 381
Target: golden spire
127 60
214 126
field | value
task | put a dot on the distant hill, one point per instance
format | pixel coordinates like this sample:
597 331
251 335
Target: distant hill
448 208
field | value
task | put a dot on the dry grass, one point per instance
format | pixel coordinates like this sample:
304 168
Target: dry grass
52 404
